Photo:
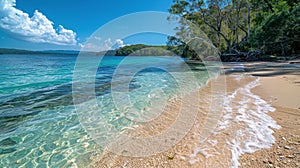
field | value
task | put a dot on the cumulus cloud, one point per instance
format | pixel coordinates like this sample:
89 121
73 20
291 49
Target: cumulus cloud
38 28
120 43
92 47
108 44
95 44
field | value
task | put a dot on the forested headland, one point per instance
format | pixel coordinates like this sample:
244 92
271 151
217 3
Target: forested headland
245 27
239 29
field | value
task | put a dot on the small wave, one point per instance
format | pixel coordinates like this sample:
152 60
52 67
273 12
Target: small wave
244 127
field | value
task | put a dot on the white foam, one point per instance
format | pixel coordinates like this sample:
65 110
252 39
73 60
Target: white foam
256 129
245 117
213 142
204 151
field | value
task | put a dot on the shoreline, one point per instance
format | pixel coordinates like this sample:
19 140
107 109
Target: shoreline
181 154
280 88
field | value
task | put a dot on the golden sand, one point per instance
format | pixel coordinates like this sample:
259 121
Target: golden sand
278 89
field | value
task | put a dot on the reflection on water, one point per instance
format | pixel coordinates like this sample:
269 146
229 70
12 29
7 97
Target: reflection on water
38 122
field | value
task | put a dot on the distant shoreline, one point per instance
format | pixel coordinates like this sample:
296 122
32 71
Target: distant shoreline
10 51
265 58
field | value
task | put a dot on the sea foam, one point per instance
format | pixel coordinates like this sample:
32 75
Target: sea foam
244 127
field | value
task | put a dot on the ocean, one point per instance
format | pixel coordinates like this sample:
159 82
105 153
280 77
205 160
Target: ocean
39 125
62 111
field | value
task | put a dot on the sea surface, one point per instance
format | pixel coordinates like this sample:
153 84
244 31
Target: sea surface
39 126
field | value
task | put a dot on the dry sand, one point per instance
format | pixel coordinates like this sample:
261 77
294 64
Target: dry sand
280 86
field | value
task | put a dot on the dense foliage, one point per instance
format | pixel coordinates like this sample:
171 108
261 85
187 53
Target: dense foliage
234 26
279 33
145 50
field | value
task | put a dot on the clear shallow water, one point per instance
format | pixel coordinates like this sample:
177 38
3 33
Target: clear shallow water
244 126
39 126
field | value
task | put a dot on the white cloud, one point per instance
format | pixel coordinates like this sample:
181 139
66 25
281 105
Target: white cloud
92 47
96 44
120 43
38 28
108 44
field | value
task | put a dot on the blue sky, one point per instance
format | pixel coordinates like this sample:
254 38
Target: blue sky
26 24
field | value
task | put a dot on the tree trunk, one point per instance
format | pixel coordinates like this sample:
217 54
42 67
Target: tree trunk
219 41
249 19
229 46
282 49
237 23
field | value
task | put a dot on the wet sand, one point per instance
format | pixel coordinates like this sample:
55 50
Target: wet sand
279 87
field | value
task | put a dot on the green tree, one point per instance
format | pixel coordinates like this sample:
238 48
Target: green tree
279 33
271 26
225 22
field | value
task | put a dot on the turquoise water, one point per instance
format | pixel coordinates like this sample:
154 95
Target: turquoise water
39 126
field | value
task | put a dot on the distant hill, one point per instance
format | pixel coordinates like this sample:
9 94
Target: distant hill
134 50
18 51
107 53
146 50
73 52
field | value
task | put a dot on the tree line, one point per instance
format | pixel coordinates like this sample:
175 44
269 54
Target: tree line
266 27
146 50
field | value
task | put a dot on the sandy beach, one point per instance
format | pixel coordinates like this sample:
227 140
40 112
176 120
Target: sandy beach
259 125
280 86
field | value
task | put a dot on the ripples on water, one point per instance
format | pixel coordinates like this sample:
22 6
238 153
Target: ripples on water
38 122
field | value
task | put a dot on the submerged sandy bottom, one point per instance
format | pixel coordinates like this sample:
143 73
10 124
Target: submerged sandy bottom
241 125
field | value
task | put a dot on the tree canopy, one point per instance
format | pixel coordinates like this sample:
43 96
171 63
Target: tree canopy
233 26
